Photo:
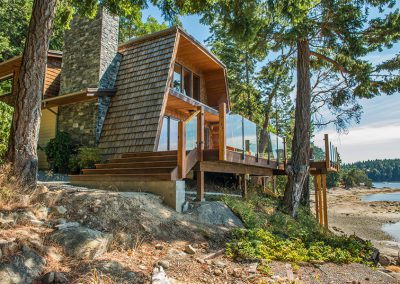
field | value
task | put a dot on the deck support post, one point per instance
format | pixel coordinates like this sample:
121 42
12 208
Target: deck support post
200 133
244 186
181 149
222 133
316 197
324 195
200 185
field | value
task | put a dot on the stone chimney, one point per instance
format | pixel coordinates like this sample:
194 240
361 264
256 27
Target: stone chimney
90 60
89 55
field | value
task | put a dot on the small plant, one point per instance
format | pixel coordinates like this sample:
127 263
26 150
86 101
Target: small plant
85 159
59 151
12 194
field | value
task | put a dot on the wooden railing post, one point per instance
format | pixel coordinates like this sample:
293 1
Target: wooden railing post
181 149
200 133
327 156
222 133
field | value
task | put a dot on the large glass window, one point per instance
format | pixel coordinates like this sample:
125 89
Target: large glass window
187 82
196 87
177 80
169 135
191 134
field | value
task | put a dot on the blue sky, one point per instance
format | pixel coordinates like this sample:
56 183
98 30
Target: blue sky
378 134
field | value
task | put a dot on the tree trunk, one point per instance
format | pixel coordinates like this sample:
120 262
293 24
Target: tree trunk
264 131
305 194
297 169
22 147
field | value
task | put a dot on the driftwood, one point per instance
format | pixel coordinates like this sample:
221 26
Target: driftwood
214 254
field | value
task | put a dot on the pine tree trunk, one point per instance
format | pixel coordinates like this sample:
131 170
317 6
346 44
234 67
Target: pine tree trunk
298 167
22 147
264 131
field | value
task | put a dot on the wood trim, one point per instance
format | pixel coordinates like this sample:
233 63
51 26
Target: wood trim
200 133
181 149
191 116
191 160
221 132
230 167
166 91
193 101
327 159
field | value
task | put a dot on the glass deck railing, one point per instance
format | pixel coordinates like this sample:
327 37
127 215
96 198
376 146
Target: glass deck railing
243 136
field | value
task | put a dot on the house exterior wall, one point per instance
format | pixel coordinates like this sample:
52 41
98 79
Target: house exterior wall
48 128
80 121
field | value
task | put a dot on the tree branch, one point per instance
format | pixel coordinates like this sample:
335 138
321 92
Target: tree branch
330 60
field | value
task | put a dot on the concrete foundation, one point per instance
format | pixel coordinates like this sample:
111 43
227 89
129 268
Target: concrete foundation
172 192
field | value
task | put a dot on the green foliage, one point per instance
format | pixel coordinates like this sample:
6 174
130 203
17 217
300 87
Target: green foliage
85 159
59 151
355 177
5 125
333 179
273 235
262 244
379 170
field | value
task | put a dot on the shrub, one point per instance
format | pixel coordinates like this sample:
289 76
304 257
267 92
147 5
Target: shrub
85 159
273 235
355 177
59 151
5 124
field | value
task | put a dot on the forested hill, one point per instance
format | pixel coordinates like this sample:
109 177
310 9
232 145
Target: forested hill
379 170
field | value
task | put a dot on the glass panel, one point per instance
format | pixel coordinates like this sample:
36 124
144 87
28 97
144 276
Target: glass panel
234 132
250 135
191 134
173 134
196 87
177 82
6 86
163 143
187 83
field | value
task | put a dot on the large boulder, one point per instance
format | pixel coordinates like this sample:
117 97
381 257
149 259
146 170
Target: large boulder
215 213
81 242
23 267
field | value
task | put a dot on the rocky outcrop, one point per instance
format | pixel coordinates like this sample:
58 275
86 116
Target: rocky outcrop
22 268
81 242
215 213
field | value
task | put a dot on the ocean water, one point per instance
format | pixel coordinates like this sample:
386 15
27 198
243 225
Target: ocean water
390 196
392 230
392 184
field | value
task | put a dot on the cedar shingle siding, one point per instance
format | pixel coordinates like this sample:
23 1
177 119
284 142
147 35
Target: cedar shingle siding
134 113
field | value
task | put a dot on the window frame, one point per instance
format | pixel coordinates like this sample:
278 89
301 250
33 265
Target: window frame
183 69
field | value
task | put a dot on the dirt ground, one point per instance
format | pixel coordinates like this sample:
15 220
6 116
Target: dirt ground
146 234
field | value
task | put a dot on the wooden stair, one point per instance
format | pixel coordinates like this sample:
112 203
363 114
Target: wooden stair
140 166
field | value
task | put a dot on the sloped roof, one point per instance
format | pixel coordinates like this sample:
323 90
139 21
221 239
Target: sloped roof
134 114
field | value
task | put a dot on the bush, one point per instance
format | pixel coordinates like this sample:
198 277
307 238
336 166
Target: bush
274 235
355 177
59 151
5 125
85 159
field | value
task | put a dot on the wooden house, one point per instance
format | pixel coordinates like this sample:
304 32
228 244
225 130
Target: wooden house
157 106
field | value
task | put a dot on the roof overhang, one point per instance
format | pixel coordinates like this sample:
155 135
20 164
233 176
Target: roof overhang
81 96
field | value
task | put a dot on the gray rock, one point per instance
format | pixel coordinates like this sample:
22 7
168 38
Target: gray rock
216 213
159 276
384 260
189 249
164 263
66 225
8 247
22 268
41 212
81 242
54 278
60 209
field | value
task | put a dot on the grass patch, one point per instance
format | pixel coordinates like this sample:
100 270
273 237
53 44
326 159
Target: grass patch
271 234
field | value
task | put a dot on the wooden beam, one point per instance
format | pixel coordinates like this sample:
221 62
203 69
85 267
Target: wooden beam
323 183
181 149
192 115
200 133
222 132
316 197
320 212
244 187
327 159
232 168
200 185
